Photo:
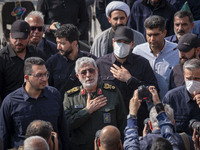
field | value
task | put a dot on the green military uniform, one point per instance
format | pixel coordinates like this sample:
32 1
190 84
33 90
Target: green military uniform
83 125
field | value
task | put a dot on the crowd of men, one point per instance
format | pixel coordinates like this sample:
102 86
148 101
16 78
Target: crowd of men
55 95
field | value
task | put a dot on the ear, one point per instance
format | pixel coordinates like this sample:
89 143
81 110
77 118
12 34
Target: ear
150 125
77 75
109 19
197 52
74 43
10 35
173 122
26 77
132 44
113 43
165 32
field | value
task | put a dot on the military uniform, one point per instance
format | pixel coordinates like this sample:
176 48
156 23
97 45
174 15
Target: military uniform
83 125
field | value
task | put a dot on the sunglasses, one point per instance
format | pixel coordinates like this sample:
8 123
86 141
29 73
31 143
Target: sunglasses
40 28
90 70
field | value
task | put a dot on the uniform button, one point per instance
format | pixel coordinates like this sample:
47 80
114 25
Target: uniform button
107 77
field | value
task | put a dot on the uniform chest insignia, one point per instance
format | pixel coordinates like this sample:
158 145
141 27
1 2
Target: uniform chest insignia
73 90
107 117
108 86
83 92
99 91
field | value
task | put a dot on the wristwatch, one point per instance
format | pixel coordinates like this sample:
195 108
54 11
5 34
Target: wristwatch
131 116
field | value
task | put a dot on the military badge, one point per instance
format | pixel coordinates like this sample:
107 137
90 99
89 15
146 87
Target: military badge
83 92
99 91
107 117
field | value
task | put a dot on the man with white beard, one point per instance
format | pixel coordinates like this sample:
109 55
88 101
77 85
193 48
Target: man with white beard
91 106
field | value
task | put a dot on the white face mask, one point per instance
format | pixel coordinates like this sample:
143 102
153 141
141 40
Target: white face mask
192 85
121 50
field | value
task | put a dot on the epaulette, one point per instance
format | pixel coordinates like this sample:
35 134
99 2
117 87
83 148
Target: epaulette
73 90
109 87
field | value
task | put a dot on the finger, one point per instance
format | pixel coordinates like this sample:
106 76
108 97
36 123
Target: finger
116 67
123 67
88 98
136 94
113 69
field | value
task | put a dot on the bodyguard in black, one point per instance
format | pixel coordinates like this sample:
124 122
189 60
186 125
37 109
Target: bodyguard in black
12 58
61 65
33 101
126 70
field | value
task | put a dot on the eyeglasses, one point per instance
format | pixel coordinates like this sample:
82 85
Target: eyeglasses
90 70
40 75
40 28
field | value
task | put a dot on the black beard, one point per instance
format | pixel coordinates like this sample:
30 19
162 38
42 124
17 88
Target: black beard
182 63
116 26
68 52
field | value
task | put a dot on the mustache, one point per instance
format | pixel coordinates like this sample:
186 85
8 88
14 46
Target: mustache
181 31
19 44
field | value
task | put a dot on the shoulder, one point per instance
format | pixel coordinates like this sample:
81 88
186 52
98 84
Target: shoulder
103 59
109 87
4 51
141 47
73 91
176 92
102 34
87 54
137 33
53 58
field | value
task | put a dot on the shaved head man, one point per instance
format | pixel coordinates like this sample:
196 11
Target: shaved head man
109 139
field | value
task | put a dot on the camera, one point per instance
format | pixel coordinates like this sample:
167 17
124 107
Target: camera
194 124
146 121
144 94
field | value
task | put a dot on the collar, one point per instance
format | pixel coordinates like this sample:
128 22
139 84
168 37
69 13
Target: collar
188 98
156 131
129 59
26 96
11 51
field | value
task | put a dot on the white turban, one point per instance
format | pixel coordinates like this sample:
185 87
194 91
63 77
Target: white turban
117 5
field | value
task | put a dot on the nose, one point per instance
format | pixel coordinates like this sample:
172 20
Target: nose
58 46
180 27
119 21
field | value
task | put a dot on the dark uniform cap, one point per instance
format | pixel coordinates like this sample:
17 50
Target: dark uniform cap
187 42
124 33
20 29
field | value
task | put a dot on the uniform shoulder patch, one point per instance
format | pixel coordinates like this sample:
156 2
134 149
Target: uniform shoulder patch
73 90
109 86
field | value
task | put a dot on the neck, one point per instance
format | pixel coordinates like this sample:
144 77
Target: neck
21 55
74 54
121 60
157 50
92 89
32 92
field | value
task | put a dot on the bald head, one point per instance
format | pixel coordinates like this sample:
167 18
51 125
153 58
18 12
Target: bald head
35 143
109 138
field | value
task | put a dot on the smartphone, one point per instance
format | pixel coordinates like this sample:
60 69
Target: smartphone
57 25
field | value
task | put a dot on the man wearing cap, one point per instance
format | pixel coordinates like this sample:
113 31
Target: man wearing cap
183 24
12 58
189 47
117 13
126 70
160 53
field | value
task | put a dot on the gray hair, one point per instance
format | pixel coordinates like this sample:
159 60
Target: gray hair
153 114
184 13
192 64
82 61
35 143
34 13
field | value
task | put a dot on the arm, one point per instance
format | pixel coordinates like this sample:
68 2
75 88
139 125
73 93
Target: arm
83 17
62 127
5 124
131 140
